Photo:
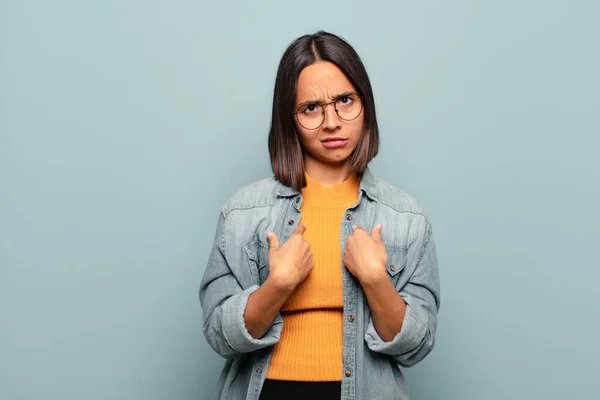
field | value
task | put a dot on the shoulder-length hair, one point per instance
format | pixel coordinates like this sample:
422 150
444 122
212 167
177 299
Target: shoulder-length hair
285 150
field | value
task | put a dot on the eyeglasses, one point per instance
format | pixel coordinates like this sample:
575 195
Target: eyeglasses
312 115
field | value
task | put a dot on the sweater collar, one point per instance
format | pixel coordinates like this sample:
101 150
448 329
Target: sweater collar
368 185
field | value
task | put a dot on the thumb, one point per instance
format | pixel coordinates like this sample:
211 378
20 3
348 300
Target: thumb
300 228
273 241
376 232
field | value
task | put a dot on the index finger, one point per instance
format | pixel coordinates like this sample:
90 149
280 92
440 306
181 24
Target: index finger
300 229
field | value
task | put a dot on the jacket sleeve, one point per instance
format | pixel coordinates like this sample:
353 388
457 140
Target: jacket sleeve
223 300
422 296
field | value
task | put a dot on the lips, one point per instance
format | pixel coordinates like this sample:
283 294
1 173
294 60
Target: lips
333 139
334 142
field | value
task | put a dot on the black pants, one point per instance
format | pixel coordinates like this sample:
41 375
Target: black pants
292 390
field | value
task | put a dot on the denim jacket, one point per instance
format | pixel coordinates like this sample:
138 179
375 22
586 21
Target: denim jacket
238 265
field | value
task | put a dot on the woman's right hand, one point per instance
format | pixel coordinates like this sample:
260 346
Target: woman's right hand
290 264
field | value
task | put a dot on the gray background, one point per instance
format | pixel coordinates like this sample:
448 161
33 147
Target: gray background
125 125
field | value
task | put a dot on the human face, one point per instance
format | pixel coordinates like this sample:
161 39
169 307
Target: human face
333 142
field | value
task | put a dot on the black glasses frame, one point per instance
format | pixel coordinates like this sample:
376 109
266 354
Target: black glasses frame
323 105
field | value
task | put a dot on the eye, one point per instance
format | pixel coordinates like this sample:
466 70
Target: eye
345 100
310 109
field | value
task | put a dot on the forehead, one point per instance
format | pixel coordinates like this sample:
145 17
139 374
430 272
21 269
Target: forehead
322 80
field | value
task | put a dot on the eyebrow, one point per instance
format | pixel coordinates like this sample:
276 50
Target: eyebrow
334 98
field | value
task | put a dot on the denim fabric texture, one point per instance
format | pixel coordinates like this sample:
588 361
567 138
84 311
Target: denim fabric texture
238 265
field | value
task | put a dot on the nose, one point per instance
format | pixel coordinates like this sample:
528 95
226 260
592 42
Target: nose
332 120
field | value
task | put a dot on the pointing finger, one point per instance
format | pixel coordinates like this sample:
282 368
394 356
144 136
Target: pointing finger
376 232
273 240
300 229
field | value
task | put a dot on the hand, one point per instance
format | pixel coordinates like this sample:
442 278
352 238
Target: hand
365 256
290 264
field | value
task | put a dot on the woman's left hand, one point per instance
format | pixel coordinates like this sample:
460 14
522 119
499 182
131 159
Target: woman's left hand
365 255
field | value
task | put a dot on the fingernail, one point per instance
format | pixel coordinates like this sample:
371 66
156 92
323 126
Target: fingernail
354 227
269 234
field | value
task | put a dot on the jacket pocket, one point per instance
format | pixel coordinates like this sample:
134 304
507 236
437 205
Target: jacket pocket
396 261
258 260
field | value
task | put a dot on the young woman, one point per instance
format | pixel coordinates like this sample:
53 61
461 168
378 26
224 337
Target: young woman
322 280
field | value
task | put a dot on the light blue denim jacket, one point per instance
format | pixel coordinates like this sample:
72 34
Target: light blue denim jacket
238 265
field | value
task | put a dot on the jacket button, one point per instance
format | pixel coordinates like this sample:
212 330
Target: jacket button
348 373
392 268
297 200
291 222
349 217
259 371
350 318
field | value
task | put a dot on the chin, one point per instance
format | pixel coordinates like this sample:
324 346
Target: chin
338 161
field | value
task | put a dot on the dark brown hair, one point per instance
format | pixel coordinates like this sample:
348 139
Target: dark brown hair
285 149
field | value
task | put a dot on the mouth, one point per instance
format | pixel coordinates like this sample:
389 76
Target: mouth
333 139
334 142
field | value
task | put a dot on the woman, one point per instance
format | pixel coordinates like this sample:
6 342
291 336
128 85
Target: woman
323 279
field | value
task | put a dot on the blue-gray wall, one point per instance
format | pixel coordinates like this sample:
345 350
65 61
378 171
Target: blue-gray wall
125 125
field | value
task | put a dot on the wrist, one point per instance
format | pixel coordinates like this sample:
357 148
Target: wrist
374 279
283 286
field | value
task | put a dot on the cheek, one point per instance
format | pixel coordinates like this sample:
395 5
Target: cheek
354 129
302 135
306 138
359 126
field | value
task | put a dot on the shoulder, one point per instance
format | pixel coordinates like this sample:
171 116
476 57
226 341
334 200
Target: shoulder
397 199
262 193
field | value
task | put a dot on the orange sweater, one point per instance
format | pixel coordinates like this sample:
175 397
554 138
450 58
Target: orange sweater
310 347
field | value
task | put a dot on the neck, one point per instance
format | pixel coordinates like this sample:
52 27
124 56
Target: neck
327 174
